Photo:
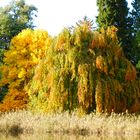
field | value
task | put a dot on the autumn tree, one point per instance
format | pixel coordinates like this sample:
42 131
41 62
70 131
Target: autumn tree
84 70
25 52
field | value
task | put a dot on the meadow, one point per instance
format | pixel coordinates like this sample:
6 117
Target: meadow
92 126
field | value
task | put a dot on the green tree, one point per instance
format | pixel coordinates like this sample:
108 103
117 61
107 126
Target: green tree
136 16
115 12
13 18
135 13
137 51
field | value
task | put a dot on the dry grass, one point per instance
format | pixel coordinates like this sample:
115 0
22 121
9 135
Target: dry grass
27 123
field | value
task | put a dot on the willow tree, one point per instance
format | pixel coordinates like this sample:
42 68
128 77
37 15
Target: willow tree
25 52
84 70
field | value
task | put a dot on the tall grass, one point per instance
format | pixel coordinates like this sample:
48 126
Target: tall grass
26 123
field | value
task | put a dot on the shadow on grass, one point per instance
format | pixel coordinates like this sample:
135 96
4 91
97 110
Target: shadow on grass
15 130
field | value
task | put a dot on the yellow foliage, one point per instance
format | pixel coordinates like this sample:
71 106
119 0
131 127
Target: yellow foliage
22 73
107 96
63 40
100 40
101 64
98 97
130 72
118 52
111 31
14 100
26 50
86 70
95 41
85 87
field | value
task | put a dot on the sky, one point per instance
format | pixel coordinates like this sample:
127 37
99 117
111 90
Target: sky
54 15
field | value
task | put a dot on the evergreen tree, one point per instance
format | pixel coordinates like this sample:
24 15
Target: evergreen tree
115 12
135 13
136 16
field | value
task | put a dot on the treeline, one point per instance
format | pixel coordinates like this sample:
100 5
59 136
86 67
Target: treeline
81 68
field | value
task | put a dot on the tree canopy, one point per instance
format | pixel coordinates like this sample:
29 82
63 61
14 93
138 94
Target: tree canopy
25 52
85 70
13 19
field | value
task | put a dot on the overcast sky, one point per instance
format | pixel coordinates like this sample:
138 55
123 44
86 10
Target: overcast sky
54 15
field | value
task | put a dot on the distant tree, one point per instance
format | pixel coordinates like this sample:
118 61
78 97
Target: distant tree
115 12
135 14
13 18
137 51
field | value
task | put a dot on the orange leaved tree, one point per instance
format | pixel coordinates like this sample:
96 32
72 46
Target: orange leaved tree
26 50
85 70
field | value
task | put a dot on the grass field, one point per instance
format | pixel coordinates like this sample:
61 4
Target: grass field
28 123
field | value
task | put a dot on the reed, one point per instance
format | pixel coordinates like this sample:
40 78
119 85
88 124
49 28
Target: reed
29 123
